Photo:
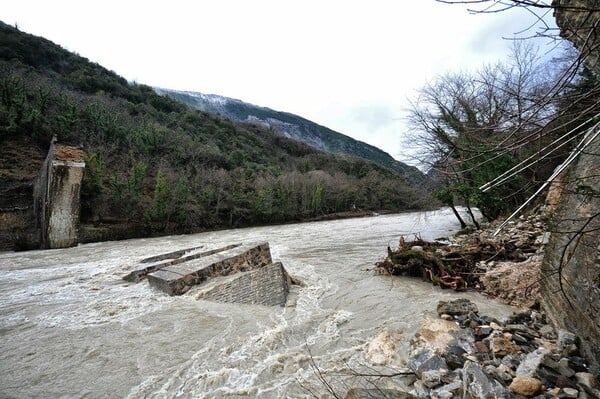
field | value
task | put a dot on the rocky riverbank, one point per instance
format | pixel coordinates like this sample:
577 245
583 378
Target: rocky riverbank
468 355
463 354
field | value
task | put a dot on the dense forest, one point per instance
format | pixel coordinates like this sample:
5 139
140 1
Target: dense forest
153 163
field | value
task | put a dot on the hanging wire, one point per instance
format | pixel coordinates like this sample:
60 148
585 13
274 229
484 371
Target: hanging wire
587 140
519 168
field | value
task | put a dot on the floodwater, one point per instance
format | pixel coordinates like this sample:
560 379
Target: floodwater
71 327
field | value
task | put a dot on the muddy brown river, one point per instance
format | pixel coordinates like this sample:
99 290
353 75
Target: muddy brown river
71 327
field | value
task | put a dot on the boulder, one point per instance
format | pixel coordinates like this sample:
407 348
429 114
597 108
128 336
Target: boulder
454 356
502 346
432 378
440 334
560 367
587 380
424 360
476 384
448 391
569 393
531 363
567 342
526 386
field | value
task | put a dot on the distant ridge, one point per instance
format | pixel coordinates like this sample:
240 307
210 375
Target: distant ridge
293 126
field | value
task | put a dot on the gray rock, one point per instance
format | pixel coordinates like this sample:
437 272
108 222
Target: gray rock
483 331
499 374
511 361
531 363
548 332
362 393
569 393
478 385
548 376
560 367
578 363
431 378
518 339
454 356
420 390
463 338
426 360
448 391
521 329
457 307
567 342
588 384
587 380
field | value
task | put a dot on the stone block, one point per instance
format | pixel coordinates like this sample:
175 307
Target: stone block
176 279
476 384
268 285
154 263
426 360
526 386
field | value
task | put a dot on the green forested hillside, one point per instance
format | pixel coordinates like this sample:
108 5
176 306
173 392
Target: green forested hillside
155 164
294 126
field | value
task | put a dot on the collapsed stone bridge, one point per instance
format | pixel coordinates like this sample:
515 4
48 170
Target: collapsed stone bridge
239 273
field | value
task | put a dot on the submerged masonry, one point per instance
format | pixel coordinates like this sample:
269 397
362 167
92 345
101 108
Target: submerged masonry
237 273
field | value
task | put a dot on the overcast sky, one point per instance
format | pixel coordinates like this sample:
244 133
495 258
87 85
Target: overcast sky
349 65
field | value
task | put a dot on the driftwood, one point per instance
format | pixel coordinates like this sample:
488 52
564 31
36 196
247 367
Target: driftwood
449 266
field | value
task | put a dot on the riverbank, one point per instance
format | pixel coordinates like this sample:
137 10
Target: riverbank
115 230
469 355
463 353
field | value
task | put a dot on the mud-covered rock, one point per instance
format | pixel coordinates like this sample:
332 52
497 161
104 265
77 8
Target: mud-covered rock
383 349
459 306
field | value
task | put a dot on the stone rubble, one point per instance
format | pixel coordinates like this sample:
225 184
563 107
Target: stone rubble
485 358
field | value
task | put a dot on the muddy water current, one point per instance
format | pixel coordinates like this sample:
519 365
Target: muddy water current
71 327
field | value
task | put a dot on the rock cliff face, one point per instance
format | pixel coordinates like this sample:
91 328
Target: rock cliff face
571 268
579 22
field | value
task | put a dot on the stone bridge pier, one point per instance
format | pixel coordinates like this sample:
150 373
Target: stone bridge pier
57 196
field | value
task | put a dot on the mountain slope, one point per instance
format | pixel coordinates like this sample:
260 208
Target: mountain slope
154 165
293 126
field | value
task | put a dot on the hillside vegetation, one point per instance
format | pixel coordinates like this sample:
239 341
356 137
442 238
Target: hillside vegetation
296 127
155 164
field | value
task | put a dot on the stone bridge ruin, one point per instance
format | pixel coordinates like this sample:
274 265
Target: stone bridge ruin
237 273
56 196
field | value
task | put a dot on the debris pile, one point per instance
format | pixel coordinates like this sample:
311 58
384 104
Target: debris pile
480 260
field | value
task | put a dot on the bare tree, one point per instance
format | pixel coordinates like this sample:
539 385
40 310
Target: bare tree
472 127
